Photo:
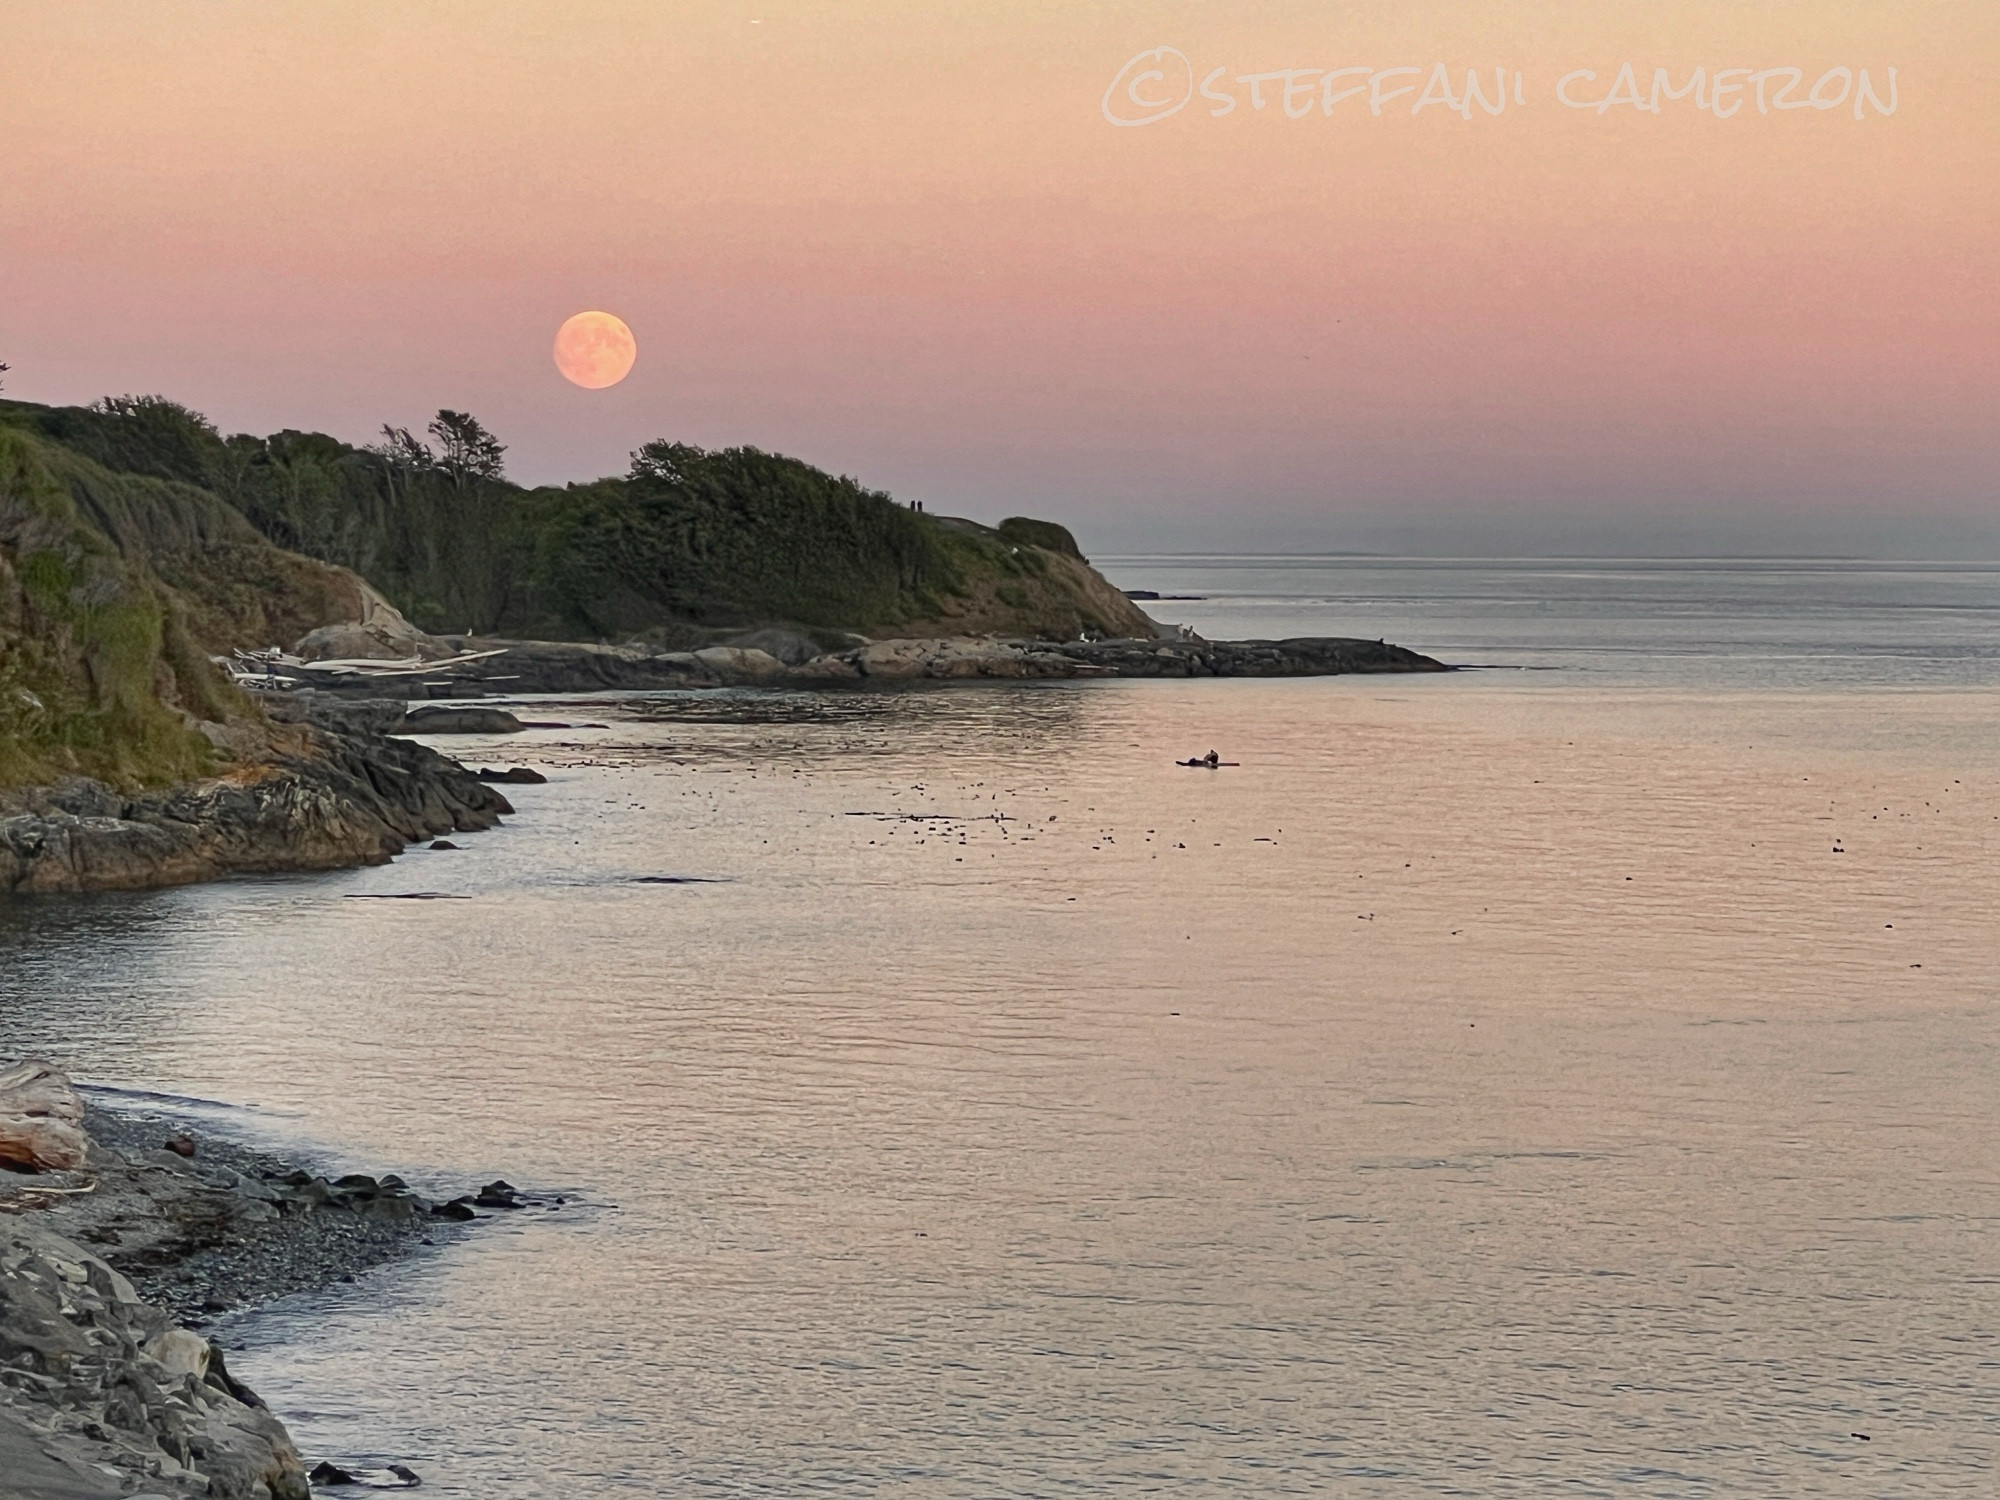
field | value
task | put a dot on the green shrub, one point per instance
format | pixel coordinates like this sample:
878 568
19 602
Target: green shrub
1025 531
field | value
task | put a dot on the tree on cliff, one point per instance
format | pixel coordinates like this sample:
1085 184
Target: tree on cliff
402 449
4 368
467 451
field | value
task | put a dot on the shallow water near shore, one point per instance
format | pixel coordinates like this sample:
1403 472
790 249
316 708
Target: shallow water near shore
1494 1085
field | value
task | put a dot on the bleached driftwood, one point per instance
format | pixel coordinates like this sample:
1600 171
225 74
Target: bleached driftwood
255 668
41 1119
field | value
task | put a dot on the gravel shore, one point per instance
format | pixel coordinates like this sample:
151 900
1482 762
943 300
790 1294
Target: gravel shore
107 1273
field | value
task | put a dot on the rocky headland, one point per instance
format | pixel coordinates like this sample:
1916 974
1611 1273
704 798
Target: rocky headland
780 658
189 624
122 1236
324 788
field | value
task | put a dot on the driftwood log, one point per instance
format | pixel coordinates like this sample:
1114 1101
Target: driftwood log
41 1119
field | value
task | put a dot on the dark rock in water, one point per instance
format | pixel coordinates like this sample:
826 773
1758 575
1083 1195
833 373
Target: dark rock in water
1308 656
1142 593
218 1376
440 720
514 776
498 1195
357 1182
443 844
459 1210
328 1475
180 1145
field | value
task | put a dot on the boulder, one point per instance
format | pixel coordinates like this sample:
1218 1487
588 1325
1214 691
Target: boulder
787 646
514 776
381 634
41 1119
829 668
739 661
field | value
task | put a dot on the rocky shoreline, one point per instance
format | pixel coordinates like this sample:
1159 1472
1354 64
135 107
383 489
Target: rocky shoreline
779 658
110 1268
337 786
342 794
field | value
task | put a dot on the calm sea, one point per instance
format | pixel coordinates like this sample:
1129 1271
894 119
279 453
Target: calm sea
1516 1082
1703 623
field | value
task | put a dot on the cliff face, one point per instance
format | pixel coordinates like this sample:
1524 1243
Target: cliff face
114 590
1024 579
126 758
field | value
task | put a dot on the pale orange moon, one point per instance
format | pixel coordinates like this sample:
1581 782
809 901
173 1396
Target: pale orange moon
595 349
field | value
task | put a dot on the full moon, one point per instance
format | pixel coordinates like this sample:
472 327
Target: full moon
595 349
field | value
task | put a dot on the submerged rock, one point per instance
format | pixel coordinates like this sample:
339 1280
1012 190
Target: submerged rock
328 1475
514 776
458 721
498 1195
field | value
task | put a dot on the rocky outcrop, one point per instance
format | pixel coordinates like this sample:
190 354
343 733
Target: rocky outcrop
1302 656
101 1392
552 667
109 1267
381 634
337 796
100 1389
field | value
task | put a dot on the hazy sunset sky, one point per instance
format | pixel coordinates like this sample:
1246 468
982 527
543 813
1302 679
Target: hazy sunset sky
904 241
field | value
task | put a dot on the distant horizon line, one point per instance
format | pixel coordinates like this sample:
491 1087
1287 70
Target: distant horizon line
1589 557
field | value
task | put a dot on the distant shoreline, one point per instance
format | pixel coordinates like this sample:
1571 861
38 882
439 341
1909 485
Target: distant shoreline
565 667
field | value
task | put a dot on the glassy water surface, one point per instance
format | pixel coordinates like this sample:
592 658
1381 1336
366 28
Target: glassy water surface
1496 1084
1746 622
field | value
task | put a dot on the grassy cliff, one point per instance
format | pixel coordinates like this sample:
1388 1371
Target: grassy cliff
687 537
114 590
136 541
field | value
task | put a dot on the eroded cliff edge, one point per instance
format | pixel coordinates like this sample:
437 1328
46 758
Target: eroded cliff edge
315 796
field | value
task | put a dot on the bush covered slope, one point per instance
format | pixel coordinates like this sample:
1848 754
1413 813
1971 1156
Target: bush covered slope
688 537
114 590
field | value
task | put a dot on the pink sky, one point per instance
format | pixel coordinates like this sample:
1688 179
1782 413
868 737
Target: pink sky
902 240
